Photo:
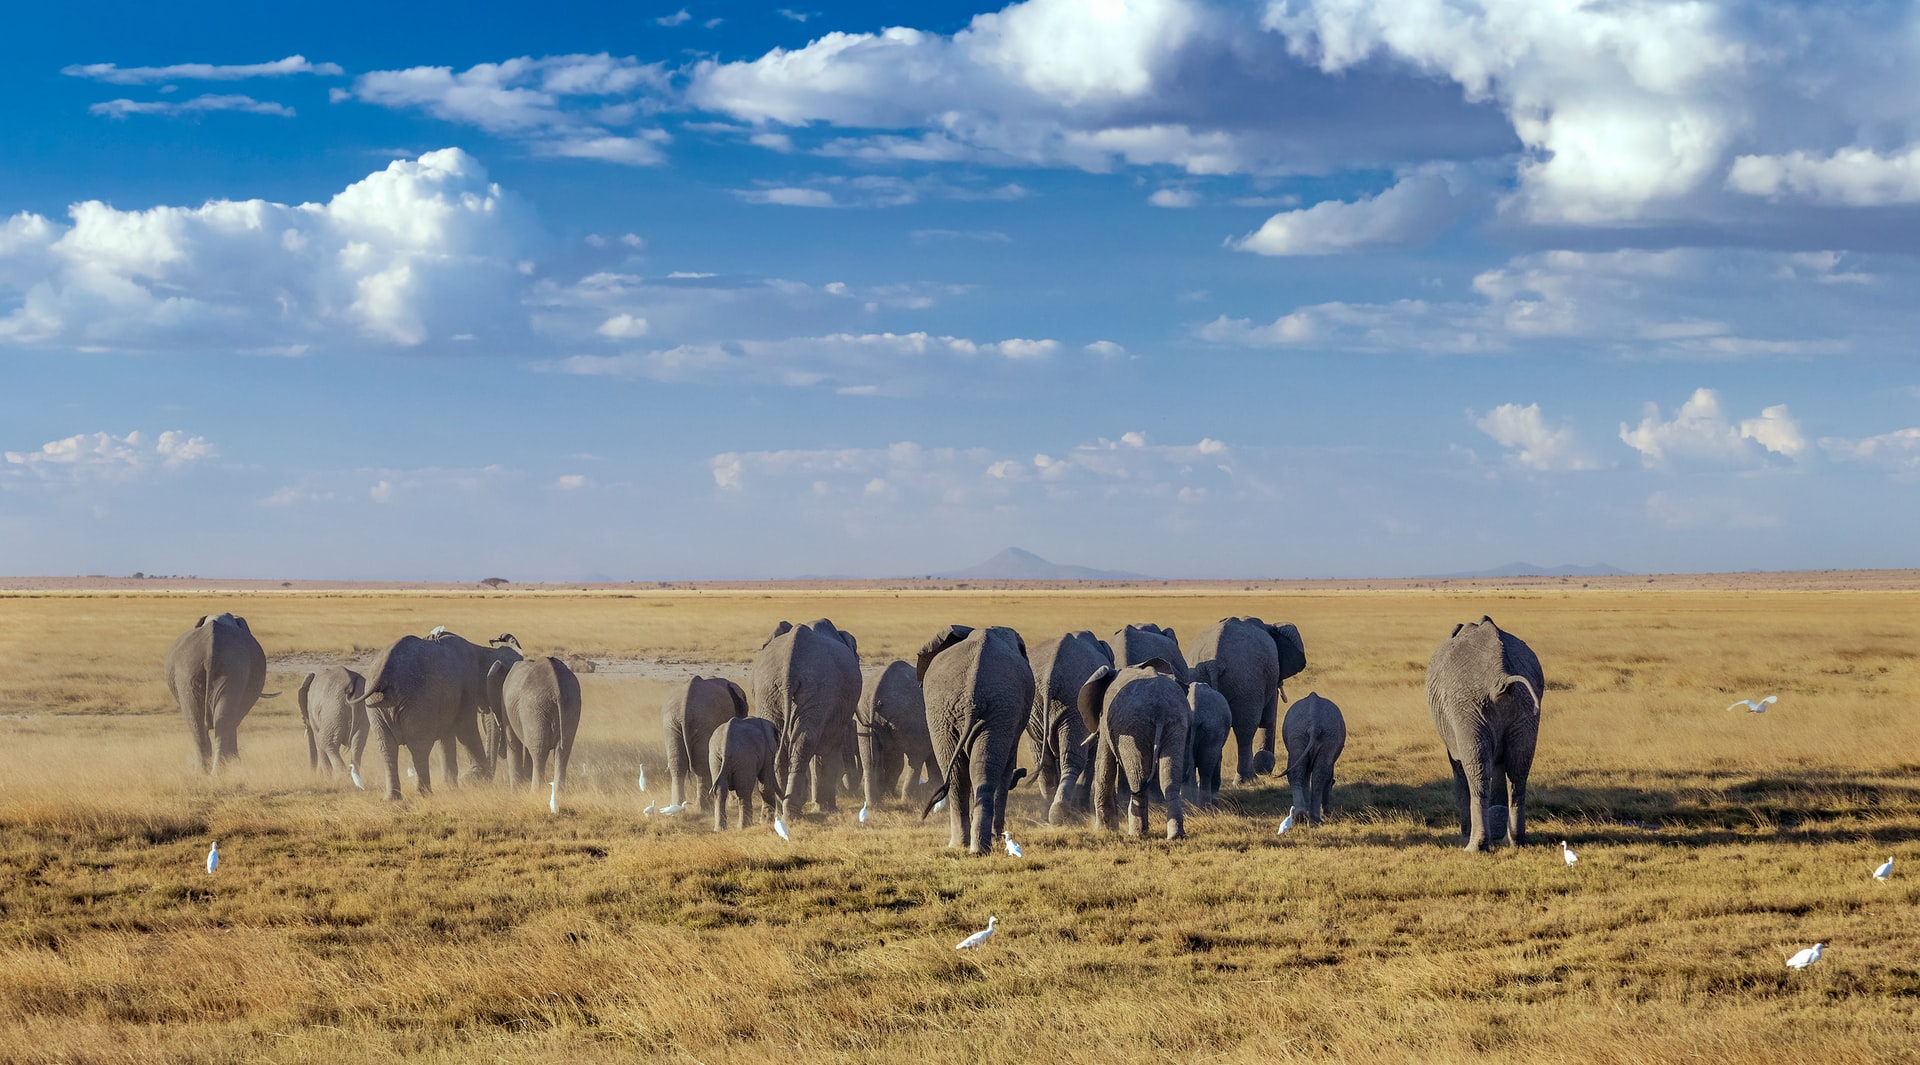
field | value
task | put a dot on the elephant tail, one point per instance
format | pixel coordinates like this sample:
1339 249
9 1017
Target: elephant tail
1163 741
975 726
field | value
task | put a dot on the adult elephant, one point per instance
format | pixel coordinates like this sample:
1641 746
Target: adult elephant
688 717
422 692
806 680
539 699
1483 689
979 691
216 671
1139 644
891 726
1055 731
333 708
1140 715
1249 661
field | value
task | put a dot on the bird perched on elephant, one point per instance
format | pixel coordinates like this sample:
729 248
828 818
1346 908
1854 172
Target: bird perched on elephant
688 717
1484 688
891 726
1138 644
333 708
423 692
539 699
806 680
1249 661
1206 741
979 692
1055 732
740 753
1139 716
216 671
1315 733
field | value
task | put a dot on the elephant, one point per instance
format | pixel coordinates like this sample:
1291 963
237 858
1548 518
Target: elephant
1484 688
891 726
1057 736
688 717
1206 741
1137 644
333 708
806 680
1139 717
741 753
216 671
426 691
1249 661
979 691
1315 733
539 698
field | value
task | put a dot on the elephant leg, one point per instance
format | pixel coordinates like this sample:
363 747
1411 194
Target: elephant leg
226 745
1106 770
516 762
959 808
720 807
202 741
1243 746
1323 791
1269 718
542 761
827 769
769 789
1496 819
389 749
1517 807
358 743
1462 798
423 766
1476 772
449 762
1176 795
1300 782
561 756
330 757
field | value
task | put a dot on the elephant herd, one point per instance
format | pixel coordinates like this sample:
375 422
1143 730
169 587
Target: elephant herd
1123 721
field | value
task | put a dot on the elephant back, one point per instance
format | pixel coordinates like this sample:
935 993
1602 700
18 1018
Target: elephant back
1061 667
1137 644
892 699
1474 664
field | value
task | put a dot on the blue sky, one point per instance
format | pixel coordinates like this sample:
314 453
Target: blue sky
1301 288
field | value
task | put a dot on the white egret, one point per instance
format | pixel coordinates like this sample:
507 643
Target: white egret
669 811
1288 823
1759 707
438 630
643 777
648 812
1012 847
1885 870
939 806
1567 853
354 772
863 813
780 828
553 797
1807 957
411 773
979 937
213 856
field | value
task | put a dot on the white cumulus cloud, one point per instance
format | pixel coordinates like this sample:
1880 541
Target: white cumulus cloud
1415 208
1530 442
109 457
1701 433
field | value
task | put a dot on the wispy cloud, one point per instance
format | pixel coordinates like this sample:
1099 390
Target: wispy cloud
279 68
197 105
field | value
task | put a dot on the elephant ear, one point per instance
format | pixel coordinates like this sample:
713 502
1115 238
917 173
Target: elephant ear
1020 643
356 686
1106 651
847 638
942 640
202 621
1513 683
242 622
1158 665
505 639
304 685
1293 650
739 699
1456 630
1093 697
778 631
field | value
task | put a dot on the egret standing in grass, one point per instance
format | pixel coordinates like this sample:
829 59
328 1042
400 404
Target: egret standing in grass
1807 957
979 937
643 776
213 856
863 813
1288 823
553 797
648 812
669 811
780 828
1012 847
1567 853
1885 870
1757 708
354 772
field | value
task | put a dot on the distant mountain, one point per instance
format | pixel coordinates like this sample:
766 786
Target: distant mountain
1528 569
1013 564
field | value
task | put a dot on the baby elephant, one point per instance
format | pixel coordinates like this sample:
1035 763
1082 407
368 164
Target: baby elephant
741 753
333 707
1139 718
1315 733
1206 739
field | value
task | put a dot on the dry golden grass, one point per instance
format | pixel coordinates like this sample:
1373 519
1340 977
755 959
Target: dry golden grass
473 926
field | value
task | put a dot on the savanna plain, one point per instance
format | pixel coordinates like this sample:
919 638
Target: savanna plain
473 925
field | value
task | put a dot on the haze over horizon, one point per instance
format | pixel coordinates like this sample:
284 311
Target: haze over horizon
1300 288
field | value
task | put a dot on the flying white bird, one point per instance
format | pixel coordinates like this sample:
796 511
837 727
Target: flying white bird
979 937
1759 707
1567 853
553 797
354 772
213 856
648 812
1288 823
863 813
643 778
1885 870
780 828
1012 847
1807 957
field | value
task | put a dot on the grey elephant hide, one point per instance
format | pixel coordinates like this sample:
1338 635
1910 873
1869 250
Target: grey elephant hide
1484 689
891 727
1206 741
740 754
1316 733
979 691
806 681
434 691
688 717
1055 732
216 671
540 702
333 708
1138 717
1248 661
